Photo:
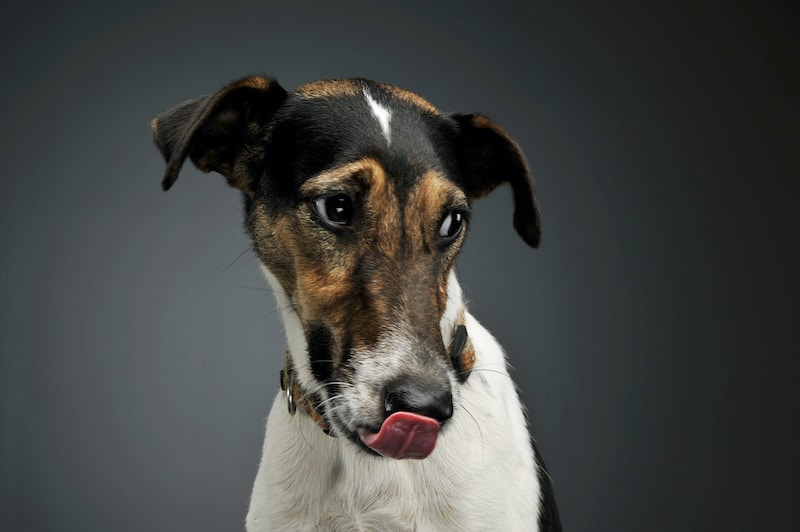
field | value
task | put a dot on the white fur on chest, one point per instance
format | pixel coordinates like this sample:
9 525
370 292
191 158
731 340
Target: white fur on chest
481 475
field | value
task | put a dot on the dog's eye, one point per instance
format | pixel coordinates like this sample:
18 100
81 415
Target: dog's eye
336 209
451 225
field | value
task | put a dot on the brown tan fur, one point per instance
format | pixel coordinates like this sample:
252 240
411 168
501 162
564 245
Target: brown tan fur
330 89
318 273
413 99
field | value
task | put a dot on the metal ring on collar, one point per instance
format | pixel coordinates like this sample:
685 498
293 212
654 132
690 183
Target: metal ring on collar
290 401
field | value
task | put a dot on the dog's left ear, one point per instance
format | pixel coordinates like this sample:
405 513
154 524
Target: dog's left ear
219 130
488 157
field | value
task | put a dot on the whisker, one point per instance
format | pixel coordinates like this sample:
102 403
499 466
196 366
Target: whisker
450 320
242 254
259 288
334 408
480 432
488 370
303 435
330 399
321 387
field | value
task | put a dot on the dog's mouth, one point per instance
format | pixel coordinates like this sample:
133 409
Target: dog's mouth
403 435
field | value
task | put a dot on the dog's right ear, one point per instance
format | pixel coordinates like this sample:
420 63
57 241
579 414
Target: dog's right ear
216 130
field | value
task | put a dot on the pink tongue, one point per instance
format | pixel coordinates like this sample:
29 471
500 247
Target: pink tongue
403 435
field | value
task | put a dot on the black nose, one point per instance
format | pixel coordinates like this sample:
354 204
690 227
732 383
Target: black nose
407 395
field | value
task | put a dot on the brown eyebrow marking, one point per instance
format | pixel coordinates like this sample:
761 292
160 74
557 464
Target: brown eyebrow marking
367 170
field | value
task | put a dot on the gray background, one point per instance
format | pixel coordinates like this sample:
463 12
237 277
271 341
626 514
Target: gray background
654 335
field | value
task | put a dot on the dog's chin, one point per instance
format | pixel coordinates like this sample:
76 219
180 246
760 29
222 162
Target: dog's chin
343 430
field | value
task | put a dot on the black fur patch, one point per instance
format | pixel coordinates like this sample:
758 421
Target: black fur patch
488 157
320 351
549 520
459 341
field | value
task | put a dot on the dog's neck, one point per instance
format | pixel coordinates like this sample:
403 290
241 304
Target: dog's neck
292 376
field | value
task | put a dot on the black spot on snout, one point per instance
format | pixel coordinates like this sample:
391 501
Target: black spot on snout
320 351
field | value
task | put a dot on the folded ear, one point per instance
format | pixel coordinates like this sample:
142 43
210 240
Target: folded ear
216 131
488 157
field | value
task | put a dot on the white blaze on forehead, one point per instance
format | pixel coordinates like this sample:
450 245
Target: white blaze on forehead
381 114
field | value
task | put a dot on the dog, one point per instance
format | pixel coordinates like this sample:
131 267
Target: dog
396 410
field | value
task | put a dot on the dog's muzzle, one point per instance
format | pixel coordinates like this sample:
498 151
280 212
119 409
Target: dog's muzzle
414 414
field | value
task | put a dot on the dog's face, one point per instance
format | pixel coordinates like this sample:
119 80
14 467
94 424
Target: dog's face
357 200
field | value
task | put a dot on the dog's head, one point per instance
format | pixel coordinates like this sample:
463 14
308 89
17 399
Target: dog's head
357 200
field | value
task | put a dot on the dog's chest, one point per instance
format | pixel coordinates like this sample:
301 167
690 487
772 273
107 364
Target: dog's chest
370 494
389 509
